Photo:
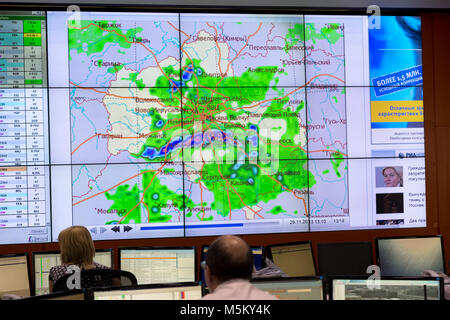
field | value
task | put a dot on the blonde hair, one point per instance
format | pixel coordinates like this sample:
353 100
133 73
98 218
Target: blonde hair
77 247
398 171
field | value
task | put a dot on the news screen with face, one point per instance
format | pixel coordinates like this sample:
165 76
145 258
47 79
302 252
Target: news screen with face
145 125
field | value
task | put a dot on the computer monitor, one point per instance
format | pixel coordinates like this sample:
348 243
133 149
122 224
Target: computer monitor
258 259
153 265
172 291
386 288
44 261
77 294
347 258
104 257
409 256
14 276
295 259
292 288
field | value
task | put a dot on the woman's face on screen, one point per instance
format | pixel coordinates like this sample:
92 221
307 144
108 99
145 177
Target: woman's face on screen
391 178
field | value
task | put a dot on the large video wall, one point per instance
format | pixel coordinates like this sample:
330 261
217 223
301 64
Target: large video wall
145 125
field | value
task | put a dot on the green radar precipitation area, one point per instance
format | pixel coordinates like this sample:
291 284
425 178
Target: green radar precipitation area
240 138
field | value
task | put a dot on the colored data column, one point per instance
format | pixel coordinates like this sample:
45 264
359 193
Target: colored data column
13 127
14 197
21 47
23 121
32 40
11 53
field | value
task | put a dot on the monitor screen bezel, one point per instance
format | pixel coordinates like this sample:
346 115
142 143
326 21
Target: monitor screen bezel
111 251
331 244
35 254
440 280
27 259
144 286
268 250
288 279
60 294
377 249
194 248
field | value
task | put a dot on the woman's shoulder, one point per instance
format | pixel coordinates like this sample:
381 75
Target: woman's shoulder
100 266
58 271
60 267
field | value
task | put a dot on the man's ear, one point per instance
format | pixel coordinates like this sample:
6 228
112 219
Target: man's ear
209 279
207 272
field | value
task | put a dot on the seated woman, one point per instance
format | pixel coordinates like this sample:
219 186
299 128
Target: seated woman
77 248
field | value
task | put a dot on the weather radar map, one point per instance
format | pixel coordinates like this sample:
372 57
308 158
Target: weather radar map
207 124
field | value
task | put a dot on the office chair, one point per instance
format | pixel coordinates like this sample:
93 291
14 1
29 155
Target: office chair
97 278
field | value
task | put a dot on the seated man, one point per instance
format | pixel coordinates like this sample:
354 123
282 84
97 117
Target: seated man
229 266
